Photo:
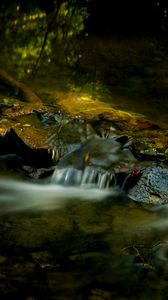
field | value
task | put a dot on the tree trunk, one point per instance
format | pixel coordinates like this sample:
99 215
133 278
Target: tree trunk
30 96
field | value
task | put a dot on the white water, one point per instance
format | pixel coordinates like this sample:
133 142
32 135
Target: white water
18 195
149 225
88 178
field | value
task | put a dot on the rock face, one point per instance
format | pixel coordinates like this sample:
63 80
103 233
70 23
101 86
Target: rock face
152 187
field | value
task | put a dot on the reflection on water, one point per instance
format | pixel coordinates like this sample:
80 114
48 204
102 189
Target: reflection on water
64 242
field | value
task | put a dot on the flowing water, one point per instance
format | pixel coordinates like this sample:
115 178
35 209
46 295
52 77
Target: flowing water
89 177
76 235
77 239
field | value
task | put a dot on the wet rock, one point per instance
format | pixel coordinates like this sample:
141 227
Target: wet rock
10 161
152 186
12 144
99 152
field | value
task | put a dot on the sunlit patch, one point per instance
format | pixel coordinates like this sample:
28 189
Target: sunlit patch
2 130
27 125
89 106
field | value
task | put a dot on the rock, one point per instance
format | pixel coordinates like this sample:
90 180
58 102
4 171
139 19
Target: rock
12 144
95 162
152 186
99 152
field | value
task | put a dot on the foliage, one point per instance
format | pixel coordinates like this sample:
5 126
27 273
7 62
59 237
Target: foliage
69 24
9 102
25 30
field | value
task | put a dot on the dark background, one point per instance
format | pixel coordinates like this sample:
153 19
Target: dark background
130 17
116 17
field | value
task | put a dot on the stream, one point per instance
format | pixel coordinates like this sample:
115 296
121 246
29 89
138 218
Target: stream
76 233
66 242
83 204
83 167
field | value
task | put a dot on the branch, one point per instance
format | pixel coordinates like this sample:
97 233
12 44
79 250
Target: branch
49 27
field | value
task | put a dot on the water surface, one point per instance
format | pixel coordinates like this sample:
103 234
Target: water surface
69 242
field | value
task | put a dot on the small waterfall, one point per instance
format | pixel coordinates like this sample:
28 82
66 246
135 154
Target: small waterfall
104 180
60 150
87 177
67 177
